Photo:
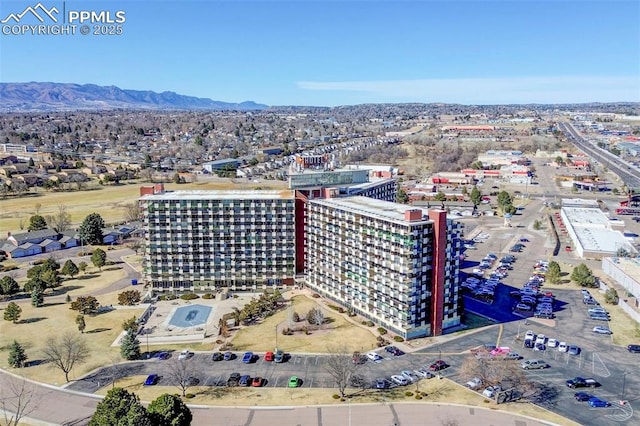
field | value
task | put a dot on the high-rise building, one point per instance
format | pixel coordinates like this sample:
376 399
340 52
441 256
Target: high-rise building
202 240
393 264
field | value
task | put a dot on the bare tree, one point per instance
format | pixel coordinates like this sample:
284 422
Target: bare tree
495 371
181 373
65 352
339 364
18 399
132 212
61 220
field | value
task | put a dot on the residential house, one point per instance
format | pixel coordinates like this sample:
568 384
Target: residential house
48 246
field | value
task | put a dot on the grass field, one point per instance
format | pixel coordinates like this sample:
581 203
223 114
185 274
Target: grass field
262 337
55 319
109 201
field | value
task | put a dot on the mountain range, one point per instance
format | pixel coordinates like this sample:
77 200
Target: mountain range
36 96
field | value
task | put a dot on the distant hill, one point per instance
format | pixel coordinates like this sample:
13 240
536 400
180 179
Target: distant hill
35 96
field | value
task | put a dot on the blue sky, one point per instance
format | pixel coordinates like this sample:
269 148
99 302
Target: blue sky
347 52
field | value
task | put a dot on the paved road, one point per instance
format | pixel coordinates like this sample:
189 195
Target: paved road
60 407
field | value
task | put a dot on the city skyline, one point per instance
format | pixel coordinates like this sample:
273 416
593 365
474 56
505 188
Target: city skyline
330 53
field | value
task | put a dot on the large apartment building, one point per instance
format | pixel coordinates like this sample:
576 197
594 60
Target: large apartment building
202 240
394 264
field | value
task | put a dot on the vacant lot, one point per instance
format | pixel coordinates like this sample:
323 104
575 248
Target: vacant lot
432 390
55 318
109 201
262 337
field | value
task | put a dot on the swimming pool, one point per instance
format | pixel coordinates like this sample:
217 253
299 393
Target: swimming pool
190 316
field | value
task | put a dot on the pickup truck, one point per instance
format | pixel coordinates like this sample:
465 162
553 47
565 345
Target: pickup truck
579 382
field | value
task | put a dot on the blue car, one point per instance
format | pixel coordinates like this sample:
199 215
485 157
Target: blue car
582 396
163 355
152 379
597 402
248 357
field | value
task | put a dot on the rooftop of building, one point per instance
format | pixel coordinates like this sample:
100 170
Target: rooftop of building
222 195
586 217
310 170
579 202
379 209
628 265
602 240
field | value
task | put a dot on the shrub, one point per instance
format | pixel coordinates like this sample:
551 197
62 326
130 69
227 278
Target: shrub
208 296
295 317
368 323
382 330
189 296
398 338
189 396
315 296
38 262
335 396
287 331
408 393
418 396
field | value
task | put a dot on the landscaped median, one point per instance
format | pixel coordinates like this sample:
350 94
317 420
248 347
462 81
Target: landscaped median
425 391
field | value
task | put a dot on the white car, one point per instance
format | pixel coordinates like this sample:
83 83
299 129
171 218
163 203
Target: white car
541 339
424 373
529 335
474 383
563 347
399 380
491 391
374 357
409 375
185 354
552 343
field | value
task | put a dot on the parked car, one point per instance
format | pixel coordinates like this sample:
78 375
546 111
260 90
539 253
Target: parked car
409 375
563 347
247 358
541 338
529 334
574 350
400 380
523 307
394 350
228 356
163 355
424 373
245 380
491 391
374 357
534 364
598 403
268 356
151 380
474 383
278 357
540 347
602 330
580 382
217 356
185 354
233 379
256 382
294 382
382 383
438 365
552 343
582 396
634 349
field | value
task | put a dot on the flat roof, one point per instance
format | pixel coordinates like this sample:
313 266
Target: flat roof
586 216
322 170
250 194
629 266
379 209
602 240
579 202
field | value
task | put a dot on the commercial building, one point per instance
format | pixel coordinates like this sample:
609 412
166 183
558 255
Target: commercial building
625 272
393 264
592 233
203 240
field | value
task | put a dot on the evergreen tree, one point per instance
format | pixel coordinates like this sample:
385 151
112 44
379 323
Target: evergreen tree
120 407
12 312
475 196
82 325
37 297
70 268
99 258
17 355
169 410
90 230
130 346
8 285
37 223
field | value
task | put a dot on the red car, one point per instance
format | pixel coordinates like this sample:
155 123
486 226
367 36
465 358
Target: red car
268 356
438 365
256 382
